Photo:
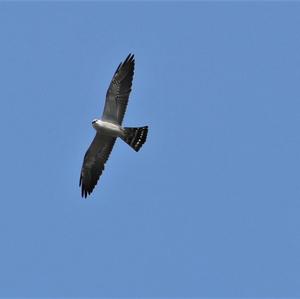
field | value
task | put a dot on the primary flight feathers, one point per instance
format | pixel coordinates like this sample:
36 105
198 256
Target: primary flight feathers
109 127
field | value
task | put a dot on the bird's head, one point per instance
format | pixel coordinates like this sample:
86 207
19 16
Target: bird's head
94 122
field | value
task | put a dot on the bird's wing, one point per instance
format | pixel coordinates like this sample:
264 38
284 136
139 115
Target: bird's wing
93 162
118 92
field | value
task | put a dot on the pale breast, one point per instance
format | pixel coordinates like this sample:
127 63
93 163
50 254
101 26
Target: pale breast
108 128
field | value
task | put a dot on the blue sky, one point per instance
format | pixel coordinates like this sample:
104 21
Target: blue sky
209 207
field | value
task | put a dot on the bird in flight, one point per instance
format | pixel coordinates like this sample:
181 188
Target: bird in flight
109 127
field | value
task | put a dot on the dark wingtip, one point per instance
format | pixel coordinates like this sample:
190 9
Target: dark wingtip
85 192
129 58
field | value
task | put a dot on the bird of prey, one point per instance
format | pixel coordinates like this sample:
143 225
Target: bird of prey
109 127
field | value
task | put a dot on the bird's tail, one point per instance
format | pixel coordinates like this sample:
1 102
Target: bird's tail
135 137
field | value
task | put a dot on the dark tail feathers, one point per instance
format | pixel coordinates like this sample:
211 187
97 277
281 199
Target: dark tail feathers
136 137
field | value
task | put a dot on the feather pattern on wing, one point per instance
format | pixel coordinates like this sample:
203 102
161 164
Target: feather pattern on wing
118 92
94 161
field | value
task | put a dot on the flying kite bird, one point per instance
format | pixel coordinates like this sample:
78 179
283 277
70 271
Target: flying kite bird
109 127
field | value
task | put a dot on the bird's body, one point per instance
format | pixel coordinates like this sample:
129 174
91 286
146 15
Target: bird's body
109 127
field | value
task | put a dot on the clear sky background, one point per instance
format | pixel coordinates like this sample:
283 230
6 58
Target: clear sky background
209 207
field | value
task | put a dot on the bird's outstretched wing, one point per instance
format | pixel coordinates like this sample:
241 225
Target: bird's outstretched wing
93 162
118 92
